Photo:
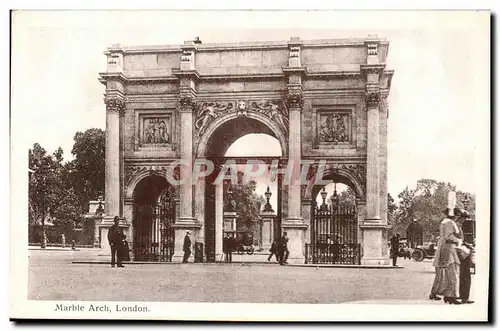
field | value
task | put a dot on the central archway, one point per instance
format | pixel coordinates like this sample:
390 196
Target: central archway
227 129
214 144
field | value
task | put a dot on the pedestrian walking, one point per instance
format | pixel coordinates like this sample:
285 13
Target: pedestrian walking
283 249
274 251
447 262
394 248
187 247
465 255
63 240
115 237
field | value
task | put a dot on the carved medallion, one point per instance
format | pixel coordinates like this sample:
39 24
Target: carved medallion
241 107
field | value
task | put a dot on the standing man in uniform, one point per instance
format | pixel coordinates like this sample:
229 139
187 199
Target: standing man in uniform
115 240
187 247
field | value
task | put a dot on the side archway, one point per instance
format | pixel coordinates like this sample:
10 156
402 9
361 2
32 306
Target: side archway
339 175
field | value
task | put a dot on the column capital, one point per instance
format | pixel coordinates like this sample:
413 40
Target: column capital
186 103
115 105
372 99
294 99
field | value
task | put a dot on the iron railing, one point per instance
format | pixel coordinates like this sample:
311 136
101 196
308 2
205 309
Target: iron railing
334 236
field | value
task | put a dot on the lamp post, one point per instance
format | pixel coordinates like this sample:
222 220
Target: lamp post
335 197
99 213
267 206
323 193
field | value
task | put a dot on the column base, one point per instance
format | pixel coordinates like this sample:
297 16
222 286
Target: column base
375 261
180 232
295 229
374 244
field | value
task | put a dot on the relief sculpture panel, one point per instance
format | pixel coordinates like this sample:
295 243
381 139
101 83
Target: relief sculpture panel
334 127
154 130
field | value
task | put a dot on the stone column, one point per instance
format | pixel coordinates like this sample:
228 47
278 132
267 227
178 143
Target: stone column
186 188
294 224
219 219
185 221
373 228
128 214
187 92
372 160
114 109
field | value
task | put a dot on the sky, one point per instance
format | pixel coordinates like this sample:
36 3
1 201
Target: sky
438 104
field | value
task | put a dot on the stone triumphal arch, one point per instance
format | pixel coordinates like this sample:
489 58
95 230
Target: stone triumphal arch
325 101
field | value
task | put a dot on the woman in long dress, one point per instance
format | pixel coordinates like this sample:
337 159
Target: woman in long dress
447 262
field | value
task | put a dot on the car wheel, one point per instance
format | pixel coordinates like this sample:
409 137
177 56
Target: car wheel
418 255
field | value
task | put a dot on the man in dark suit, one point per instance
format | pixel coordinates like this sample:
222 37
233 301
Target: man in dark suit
187 247
115 237
395 248
225 244
283 249
465 263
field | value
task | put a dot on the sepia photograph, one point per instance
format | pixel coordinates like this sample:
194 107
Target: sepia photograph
250 165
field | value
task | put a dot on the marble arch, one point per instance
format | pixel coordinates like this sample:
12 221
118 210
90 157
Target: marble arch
324 100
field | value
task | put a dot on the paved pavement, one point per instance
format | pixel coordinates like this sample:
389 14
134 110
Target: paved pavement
53 276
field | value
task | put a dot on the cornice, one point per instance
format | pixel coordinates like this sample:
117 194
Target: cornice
282 44
105 76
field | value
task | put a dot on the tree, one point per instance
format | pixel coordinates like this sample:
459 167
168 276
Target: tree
87 171
248 204
426 205
50 196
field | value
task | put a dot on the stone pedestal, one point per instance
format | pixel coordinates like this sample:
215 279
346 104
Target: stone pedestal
373 245
180 233
267 229
104 226
296 242
97 223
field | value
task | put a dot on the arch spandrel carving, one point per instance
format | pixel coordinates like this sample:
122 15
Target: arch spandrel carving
135 173
353 173
211 115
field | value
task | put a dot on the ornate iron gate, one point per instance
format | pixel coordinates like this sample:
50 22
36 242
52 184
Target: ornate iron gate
153 231
334 236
